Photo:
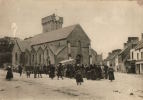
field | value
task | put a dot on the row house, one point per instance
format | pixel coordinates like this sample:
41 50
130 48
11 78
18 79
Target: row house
136 57
112 59
6 47
125 64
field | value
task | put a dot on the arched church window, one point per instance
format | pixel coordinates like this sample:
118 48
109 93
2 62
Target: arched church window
26 59
47 53
48 57
16 56
69 49
33 58
40 58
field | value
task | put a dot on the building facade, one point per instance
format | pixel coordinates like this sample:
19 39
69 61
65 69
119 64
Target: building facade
113 59
125 64
6 47
136 57
55 44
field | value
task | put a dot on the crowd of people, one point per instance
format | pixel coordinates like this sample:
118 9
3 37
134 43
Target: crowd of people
76 71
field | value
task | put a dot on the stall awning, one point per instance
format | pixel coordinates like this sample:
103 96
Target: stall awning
69 61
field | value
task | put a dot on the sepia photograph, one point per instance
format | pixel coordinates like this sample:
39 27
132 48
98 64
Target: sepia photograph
71 49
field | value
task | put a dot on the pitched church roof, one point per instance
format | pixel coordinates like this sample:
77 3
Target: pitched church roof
52 35
58 34
23 45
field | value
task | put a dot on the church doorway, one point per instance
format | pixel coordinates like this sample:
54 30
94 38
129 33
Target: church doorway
79 59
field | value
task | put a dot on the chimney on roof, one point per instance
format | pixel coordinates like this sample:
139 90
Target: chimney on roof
51 23
132 39
125 45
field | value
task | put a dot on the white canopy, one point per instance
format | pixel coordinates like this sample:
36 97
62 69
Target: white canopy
69 61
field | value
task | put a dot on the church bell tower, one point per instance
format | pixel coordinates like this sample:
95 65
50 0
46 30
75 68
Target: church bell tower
52 22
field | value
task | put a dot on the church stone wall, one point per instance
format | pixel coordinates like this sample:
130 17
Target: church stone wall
58 43
40 56
51 57
77 43
51 23
27 58
16 51
63 55
79 35
94 58
74 52
85 54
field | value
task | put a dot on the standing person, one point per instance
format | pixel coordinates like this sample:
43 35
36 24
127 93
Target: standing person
83 70
45 69
96 71
39 70
111 73
68 70
106 71
92 73
28 73
9 74
78 77
88 72
52 72
60 71
99 72
20 70
72 71
35 72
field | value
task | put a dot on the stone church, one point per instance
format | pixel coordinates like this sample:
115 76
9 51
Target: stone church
54 44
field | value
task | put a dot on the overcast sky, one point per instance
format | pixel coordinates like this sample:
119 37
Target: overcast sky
107 23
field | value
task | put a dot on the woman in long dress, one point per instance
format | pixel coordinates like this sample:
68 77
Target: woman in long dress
60 71
78 77
9 74
52 71
111 73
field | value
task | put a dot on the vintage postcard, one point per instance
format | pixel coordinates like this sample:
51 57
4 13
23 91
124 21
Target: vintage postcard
71 49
